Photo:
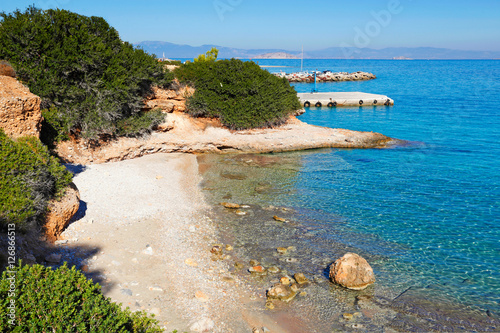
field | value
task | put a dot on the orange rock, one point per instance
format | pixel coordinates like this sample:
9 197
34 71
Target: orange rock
258 269
230 205
279 219
168 100
61 212
352 271
20 113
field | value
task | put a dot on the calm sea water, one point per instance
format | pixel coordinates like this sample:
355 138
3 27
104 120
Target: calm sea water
439 197
426 214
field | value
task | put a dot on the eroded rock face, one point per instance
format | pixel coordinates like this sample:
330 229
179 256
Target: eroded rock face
352 271
20 113
169 100
61 212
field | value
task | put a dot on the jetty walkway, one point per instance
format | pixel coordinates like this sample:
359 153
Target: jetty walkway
335 99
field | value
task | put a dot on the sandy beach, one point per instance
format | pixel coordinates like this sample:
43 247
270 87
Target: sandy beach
143 234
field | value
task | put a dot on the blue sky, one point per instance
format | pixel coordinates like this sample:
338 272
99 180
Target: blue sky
316 24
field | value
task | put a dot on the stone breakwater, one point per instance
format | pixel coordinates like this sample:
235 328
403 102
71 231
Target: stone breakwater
327 76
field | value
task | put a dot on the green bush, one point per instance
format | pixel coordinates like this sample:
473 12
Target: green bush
141 123
63 300
79 66
172 62
29 178
240 93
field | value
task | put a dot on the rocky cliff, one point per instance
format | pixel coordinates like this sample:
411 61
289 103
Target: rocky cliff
168 100
20 113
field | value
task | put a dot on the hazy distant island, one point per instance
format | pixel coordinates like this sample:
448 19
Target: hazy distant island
277 55
401 58
172 50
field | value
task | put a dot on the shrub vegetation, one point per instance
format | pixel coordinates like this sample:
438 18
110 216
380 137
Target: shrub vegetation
172 62
63 300
89 79
240 93
30 177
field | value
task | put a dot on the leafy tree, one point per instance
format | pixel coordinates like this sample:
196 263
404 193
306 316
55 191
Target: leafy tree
240 94
78 65
208 56
29 178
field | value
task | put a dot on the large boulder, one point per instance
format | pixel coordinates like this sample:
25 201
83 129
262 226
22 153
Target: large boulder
352 271
60 213
20 113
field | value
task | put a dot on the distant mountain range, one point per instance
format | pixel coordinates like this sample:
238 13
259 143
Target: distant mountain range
174 51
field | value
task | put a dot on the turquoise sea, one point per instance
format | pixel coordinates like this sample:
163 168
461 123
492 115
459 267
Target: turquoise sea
425 214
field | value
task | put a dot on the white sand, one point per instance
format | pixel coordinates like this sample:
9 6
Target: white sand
155 201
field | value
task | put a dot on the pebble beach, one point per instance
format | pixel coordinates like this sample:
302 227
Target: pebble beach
144 233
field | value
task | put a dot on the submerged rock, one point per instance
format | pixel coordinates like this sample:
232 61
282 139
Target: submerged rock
282 250
53 258
301 279
230 205
258 270
216 250
281 292
238 265
285 280
237 176
279 219
352 271
254 262
274 270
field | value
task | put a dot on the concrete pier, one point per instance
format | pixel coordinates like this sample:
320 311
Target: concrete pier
335 99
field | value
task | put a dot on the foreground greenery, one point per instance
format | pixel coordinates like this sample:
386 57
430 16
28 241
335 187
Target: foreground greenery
63 300
88 78
240 94
30 177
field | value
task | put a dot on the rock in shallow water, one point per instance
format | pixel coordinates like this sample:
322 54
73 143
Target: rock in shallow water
301 279
254 262
230 205
53 258
274 270
282 250
281 292
258 270
216 250
279 219
352 271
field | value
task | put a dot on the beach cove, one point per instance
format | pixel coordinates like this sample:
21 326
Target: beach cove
338 185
